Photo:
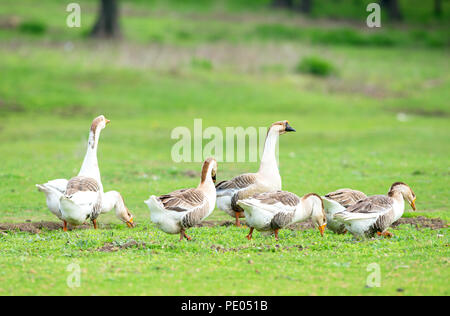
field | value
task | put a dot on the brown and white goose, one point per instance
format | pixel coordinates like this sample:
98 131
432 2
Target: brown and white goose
82 197
265 180
374 214
179 210
338 201
272 211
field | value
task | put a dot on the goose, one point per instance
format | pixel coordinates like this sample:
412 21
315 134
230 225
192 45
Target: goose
374 214
338 201
271 211
179 210
53 190
80 198
265 180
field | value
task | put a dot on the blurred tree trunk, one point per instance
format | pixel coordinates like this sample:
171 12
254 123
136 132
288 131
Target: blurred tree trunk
392 9
107 25
286 4
438 8
305 6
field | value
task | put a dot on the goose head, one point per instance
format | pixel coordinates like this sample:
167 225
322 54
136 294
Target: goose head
209 169
98 124
126 217
281 127
114 199
405 191
315 203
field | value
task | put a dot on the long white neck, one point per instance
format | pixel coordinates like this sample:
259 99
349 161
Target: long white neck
269 165
207 184
399 205
113 200
89 168
304 210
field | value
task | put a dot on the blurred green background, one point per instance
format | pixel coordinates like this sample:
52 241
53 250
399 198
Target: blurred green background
370 105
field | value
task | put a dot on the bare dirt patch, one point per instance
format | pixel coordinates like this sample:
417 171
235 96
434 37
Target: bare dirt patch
10 107
421 112
221 249
297 226
112 247
422 222
74 110
36 227
10 22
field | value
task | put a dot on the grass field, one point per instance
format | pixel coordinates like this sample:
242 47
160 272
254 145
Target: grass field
382 116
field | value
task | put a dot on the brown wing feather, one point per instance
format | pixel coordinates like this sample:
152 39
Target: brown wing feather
346 197
245 193
284 197
81 184
372 204
195 216
182 200
238 182
281 219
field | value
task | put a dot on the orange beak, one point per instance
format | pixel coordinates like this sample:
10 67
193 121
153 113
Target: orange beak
130 223
413 204
322 229
107 121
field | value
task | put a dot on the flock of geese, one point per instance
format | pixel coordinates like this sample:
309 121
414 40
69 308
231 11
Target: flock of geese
256 196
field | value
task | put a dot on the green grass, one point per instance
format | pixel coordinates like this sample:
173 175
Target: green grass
385 118
316 66
220 261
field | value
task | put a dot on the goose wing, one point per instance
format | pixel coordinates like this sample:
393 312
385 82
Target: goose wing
371 207
183 200
58 184
280 200
238 183
284 202
81 184
191 201
85 191
346 197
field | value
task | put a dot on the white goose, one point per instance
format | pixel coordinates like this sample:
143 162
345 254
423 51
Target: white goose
177 211
265 180
82 197
271 211
374 215
53 190
338 201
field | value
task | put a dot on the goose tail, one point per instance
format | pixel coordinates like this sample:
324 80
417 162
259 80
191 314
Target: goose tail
154 204
69 207
49 190
331 207
349 216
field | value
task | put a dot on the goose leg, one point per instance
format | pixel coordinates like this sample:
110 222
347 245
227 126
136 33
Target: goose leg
385 234
249 236
183 235
276 234
237 215
94 221
65 226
